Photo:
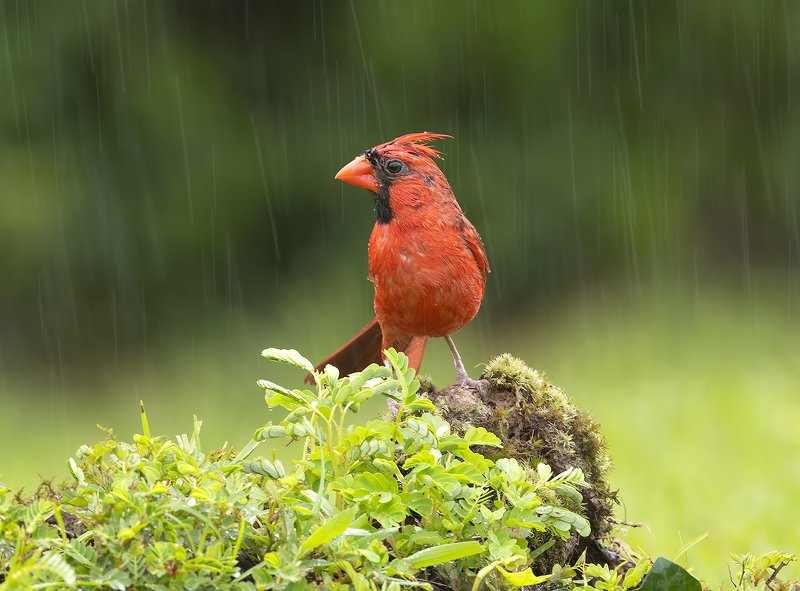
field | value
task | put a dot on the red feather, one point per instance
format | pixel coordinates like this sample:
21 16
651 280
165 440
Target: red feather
418 142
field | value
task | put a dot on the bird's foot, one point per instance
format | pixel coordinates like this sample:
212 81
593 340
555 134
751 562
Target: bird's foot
464 381
462 378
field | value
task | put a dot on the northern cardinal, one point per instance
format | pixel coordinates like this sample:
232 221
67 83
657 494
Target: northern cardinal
426 259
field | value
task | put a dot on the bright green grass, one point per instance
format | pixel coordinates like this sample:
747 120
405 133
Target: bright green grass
698 392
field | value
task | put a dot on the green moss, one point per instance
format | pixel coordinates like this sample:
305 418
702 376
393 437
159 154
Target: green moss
537 422
553 421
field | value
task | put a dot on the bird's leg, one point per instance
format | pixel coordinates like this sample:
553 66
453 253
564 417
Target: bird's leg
461 373
462 378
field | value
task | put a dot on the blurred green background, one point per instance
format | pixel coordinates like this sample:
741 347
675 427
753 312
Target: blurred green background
167 210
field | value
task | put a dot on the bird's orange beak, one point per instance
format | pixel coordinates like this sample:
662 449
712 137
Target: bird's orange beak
359 173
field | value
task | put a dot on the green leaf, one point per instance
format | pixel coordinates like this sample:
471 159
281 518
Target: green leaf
342 394
634 575
522 578
375 483
569 491
501 545
387 387
278 389
246 450
387 466
265 468
422 458
479 461
512 469
269 431
572 475
420 405
413 387
541 549
596 571
288 356
372 371
389 511
55 564
145 424
466 472
335 526
519 517
80 552
444 553
480 436
544 472
438 476
187 468
75 470
420 428
324 504
665 575
420 503
37 512
564 520
331 372
438 426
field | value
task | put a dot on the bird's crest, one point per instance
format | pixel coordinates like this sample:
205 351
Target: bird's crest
418 142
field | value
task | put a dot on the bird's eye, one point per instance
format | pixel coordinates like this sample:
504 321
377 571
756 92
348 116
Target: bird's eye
394 166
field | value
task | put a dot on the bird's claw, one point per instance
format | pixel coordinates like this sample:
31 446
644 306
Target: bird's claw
480 386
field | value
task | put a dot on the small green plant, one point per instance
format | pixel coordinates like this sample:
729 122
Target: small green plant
386 504
148 514
752 573
603 578
402 501
418 496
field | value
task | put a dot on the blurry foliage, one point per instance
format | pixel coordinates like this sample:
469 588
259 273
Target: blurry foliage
158 153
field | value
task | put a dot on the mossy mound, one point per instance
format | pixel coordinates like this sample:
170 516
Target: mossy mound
537 422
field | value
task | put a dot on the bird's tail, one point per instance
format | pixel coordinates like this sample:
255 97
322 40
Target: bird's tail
366 347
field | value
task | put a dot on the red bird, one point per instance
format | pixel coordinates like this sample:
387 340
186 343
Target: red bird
426 259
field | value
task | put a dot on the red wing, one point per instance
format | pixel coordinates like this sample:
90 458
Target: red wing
475 245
